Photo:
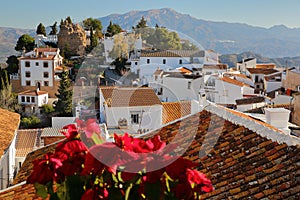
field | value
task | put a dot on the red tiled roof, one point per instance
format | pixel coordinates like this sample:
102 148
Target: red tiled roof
264 71
9 123
26 141
172 53
49 57
33 93
46 49
249 100
129 96
184 70
233 81
216 66
241 163
175 110
266 65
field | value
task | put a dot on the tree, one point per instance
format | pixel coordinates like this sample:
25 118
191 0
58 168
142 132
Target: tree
8 100
161 38
53 29
142 23
113 29
12 64
95 24
64 95
25 41
41 30
30 122
68 19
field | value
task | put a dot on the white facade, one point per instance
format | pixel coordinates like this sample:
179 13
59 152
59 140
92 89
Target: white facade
246 63
277 117
137 117
173 89
7 165
32 101
251 106
38 67
40 40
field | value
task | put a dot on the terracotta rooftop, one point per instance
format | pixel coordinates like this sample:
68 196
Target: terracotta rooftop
172 53
33 93
244 158
249 100
129 96
217 66
175 110
237 75
266 65
241 162
26 141
264 71
27 165
9 123
233 81
49 57
184 70
46 49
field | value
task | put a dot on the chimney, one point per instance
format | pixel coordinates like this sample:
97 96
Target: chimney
277 117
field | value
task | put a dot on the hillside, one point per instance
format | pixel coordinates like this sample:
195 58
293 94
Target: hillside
222 37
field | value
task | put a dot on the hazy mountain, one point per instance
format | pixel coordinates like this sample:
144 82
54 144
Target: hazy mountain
222 37
8 40
232 59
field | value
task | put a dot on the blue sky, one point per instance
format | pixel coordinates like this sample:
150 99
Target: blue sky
263 13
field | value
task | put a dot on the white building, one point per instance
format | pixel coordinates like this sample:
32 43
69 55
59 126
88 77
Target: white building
40 67
137 109
225 90
250 103
176 86
41 40
145 63
32 101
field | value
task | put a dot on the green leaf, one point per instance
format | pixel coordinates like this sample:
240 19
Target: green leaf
128 192
97 139
41 190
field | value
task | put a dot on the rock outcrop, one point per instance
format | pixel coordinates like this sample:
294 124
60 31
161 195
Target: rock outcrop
71 39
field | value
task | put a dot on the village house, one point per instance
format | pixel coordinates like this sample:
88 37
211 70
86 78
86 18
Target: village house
38 69
291 79
176 85
226 90
134 108
9 124
250 103
32 101
229 146
147 61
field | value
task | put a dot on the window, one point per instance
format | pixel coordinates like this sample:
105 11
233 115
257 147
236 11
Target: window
134 118
32 99
46 83
180 61
27 74
256 78
28 83
36 63
27 64
28 99
257 86
164 61
148 61
46 75
46 64
189 85
136 63
23 99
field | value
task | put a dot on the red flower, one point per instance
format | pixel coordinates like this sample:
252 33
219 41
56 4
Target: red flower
200 179
89 127
72 131
178 168
66 149
44 170
72 165
95 193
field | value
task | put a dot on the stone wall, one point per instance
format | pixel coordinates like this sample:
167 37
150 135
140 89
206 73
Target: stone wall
72 39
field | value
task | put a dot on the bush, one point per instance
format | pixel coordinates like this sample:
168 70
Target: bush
46 108
30 122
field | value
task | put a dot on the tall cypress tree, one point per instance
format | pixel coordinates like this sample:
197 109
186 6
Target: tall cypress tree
41 29
64 95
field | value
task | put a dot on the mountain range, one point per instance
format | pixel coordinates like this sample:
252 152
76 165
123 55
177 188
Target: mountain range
222 37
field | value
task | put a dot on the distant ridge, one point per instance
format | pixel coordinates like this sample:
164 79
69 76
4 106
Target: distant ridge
225 38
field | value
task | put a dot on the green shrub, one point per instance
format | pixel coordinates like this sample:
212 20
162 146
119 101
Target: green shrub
30 122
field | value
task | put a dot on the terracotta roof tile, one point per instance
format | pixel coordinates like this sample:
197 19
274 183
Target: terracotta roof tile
49 57
172 53
27 165
33 93
264 71
266 65
233 81
129 96
249 100
175 110
9 123
26 141
215 66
